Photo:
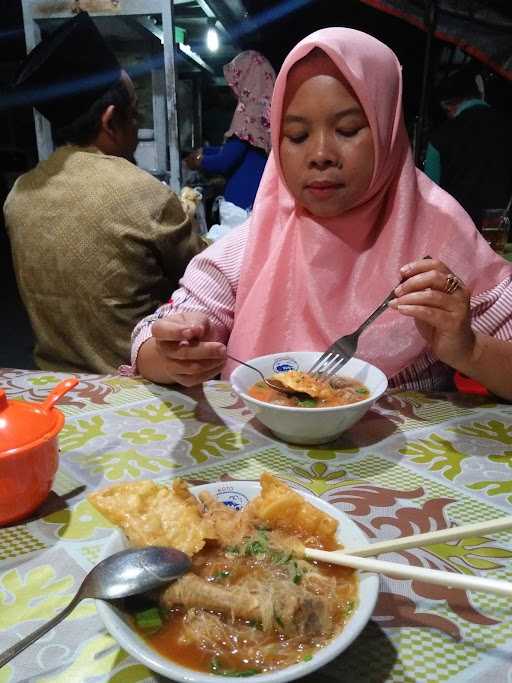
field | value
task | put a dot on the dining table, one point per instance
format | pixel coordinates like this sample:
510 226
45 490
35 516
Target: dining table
416 462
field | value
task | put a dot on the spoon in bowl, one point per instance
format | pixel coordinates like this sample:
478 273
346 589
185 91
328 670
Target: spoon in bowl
273 384
132 571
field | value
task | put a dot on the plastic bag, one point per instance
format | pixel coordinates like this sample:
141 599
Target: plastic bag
230 216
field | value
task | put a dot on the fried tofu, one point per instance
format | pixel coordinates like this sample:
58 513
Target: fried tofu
302 382
150 514
282 508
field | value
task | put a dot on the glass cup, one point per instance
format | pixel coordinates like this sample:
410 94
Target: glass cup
494 227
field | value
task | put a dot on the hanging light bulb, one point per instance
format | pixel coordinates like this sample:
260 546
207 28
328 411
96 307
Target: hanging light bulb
212 36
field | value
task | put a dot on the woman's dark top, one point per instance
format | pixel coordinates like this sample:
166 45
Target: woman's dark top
241 164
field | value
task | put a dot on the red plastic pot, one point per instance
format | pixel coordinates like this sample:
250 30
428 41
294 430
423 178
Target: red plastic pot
29 452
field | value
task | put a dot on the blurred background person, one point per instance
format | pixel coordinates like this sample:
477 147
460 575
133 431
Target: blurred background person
470 154
96 241
242 157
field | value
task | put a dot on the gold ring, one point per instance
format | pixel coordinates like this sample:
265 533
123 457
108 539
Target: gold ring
452 284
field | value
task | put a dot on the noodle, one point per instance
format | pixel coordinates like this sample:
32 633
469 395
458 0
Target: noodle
255 606
251 603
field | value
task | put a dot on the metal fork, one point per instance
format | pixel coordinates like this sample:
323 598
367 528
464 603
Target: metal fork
342 350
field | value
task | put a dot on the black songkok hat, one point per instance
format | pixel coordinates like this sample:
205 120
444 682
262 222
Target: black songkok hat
67 72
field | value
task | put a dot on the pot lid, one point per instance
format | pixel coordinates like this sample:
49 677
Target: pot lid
23 423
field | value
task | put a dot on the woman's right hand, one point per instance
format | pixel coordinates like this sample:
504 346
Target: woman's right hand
193 160
179 351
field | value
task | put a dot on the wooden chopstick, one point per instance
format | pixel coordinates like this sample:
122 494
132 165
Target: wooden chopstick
405 571
431 537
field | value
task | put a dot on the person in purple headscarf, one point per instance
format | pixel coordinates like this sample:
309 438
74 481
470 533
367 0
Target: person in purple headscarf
242 157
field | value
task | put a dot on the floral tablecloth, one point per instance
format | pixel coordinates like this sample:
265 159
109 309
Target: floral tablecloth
415 463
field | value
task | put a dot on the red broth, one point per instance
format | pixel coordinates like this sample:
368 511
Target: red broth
238 645
346 391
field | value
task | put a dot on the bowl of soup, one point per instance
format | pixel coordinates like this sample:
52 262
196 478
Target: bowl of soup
298 419
249 607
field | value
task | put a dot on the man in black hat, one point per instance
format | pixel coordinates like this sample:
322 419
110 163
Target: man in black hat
97 243
470 155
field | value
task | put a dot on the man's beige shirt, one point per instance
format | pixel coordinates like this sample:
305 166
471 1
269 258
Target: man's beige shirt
97 245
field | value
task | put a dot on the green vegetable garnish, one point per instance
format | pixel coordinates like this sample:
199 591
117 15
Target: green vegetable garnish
255 548
297 574
279 557
307 658
259 546
221 575
149 620
308 403
233 550
256 624
349 607
362 390
216 668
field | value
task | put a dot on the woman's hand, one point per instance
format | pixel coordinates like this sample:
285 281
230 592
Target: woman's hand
442 318
193 160
179 351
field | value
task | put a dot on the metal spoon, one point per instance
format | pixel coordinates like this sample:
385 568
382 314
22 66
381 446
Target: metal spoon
273 384
132 571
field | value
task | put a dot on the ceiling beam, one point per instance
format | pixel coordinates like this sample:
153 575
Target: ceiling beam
194 57
62 9
185 50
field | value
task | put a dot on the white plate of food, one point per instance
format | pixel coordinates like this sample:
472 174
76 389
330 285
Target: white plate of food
343 401
250 606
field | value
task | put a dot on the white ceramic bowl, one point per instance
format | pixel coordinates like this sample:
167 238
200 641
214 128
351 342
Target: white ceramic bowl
307 425
237 494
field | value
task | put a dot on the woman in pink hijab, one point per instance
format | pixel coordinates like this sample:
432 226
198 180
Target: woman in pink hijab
341 216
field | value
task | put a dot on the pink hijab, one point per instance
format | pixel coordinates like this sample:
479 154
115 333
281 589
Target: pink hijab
251 77
306 280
